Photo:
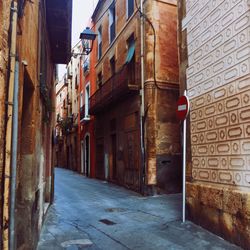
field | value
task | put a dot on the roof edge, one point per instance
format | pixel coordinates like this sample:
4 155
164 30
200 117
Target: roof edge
100 2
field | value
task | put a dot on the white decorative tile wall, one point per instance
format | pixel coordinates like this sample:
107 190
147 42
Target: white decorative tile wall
218 85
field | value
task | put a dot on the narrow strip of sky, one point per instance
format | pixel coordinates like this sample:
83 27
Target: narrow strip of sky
82 11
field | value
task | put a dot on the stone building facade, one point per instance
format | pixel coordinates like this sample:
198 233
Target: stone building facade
137 149
215 69
33 37
61 115
72 103
66 127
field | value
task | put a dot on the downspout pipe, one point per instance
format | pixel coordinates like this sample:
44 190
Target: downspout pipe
142 111
14 158
8 182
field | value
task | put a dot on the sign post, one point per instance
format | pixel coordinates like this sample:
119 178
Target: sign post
182 112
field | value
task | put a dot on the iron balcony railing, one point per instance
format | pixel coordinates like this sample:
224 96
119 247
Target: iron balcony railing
124 82
82 112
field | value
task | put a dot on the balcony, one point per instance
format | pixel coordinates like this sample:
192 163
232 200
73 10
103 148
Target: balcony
120 85
83 116
69 73
82 112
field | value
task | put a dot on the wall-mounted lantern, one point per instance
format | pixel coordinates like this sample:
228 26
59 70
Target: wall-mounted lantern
87 39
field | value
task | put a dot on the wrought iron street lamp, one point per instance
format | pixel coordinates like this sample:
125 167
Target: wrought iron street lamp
87 39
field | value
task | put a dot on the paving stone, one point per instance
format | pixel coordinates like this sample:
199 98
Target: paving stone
140 222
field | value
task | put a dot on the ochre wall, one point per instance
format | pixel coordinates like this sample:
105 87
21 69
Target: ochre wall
35 134
4 61
121 120
161 127
112 120
161 94
124 29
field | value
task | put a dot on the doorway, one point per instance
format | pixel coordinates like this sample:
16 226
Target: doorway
82 157
113 145
86 155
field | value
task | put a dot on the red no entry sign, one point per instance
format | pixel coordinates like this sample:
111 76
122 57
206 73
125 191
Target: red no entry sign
182 107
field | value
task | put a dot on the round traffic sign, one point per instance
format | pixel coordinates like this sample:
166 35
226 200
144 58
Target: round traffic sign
182 107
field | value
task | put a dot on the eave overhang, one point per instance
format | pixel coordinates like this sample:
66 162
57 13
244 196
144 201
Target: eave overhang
59 23
97 8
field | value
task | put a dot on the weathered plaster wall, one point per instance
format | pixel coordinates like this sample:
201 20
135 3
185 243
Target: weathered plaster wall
217 39
4 61
162 127
121 120
35 133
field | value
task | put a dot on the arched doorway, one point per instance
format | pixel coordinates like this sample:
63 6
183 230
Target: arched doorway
86 155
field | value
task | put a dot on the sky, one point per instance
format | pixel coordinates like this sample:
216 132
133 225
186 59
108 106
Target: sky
82 11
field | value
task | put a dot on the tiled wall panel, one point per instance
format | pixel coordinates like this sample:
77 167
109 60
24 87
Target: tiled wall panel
218 85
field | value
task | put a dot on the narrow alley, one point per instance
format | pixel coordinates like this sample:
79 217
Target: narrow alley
124 124
94 214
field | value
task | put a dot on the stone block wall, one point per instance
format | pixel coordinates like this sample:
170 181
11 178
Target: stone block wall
224 211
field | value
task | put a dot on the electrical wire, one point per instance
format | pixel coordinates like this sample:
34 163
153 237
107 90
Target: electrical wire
154 49
154 36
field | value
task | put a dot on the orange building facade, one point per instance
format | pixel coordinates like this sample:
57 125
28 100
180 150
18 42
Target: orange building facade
86 133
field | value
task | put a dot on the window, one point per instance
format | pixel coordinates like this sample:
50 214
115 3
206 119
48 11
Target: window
86 65
112 22
76 82
99 80
81 99
99 42
112 65
130 8
87 95
130 60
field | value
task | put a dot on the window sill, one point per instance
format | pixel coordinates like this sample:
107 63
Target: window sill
85 119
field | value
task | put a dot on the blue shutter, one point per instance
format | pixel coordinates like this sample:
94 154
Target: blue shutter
130 7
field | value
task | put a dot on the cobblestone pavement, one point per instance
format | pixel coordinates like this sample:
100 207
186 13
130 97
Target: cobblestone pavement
92 214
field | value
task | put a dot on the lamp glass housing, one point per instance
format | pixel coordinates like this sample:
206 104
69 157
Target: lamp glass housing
87 38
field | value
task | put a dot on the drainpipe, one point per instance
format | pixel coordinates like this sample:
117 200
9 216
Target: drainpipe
8 205
14 159
142 111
